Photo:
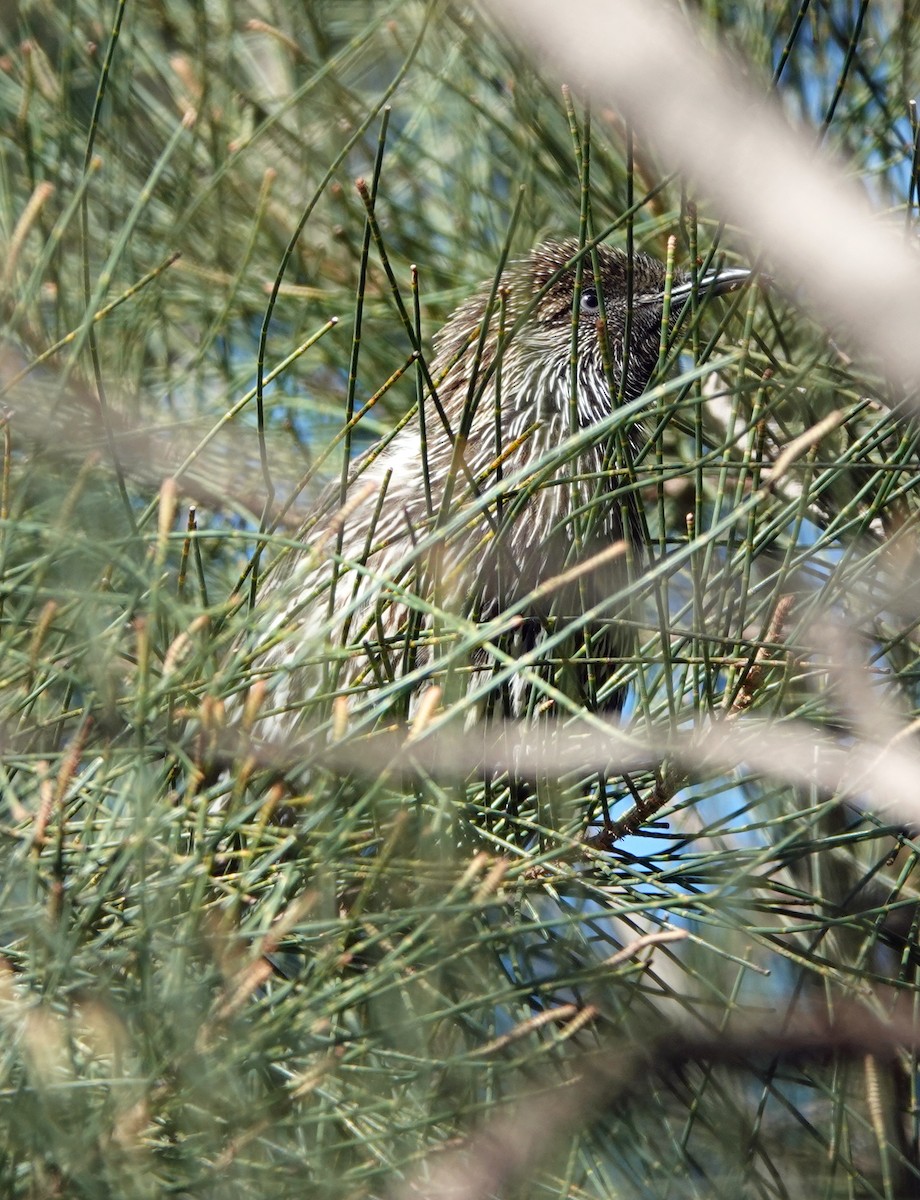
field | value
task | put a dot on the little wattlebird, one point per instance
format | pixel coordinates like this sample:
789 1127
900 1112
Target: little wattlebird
484 549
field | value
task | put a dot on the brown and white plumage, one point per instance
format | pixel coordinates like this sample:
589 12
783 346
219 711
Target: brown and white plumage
498 522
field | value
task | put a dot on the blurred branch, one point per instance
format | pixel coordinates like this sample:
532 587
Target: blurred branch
704 117
217 463
514 1142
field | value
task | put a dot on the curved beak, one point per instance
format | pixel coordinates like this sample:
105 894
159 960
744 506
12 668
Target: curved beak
716 283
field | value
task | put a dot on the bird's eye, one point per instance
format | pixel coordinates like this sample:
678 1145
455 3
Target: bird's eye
589 302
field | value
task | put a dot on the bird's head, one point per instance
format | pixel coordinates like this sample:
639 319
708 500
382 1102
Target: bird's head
530 316
626 294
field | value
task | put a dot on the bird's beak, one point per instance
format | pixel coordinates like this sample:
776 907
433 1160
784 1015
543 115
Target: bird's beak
716 283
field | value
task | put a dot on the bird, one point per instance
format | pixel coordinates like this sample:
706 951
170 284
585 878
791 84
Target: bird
484 549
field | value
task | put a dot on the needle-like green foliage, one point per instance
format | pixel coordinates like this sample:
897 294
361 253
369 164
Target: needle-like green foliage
353 961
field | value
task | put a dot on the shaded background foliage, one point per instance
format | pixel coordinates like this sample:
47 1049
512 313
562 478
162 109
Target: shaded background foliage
214 984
